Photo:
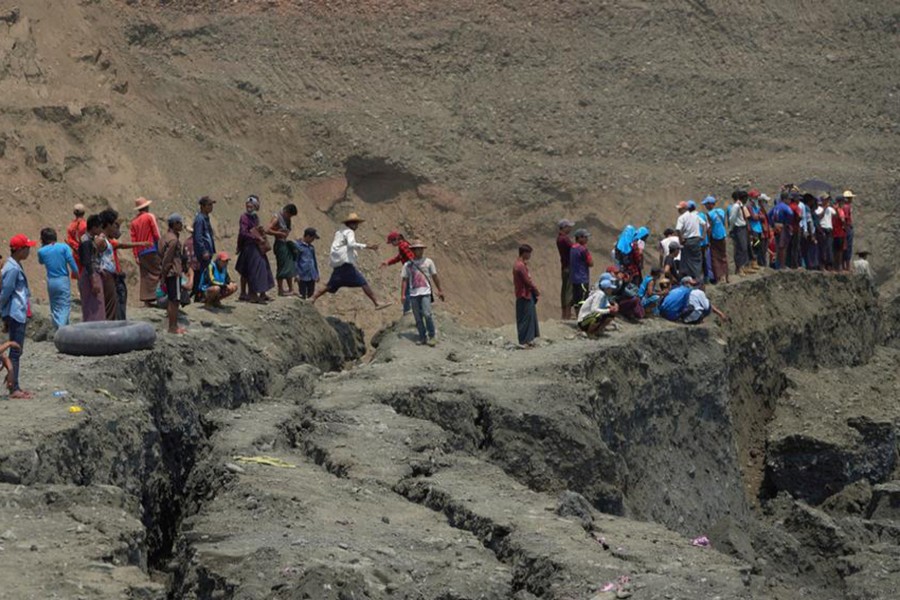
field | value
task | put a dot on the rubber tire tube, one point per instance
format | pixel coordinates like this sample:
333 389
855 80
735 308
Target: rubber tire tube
103 338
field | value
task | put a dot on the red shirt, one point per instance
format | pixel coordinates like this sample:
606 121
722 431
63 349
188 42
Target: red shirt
144 229
74 231
404 254
848 217
564 245
525 287
115 247
837 221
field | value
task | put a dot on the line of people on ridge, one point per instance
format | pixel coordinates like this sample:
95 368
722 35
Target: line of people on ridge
173 272
799 231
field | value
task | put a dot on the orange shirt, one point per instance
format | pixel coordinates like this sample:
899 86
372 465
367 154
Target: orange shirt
74 231
144 229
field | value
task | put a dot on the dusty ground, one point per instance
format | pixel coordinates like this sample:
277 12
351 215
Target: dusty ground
470 470
473 125
438 473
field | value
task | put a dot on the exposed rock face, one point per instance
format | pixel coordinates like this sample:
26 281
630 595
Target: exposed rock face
473 470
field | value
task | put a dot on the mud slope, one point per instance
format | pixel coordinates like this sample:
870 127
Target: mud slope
474 125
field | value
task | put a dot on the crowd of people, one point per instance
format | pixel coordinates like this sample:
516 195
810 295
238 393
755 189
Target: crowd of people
799 231
184 265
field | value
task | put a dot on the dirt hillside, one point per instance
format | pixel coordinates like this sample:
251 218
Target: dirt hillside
475 125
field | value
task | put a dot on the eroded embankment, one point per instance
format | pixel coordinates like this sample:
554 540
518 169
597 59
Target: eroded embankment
144 423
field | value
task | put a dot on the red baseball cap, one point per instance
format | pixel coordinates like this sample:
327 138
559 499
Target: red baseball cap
754 193
682 204
19 241
393 237
223 256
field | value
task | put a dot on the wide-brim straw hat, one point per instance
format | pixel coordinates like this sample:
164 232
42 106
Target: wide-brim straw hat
142 203
417 244
353 218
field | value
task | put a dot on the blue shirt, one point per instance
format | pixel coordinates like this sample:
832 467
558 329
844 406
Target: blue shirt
204 240
717 224
307 266
782 213
642 290
14 294
213 275
806 220
756 211
579 271
704 229
58 259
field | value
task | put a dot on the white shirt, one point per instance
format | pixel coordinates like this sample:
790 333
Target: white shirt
597 302
688 224
664 246
344 247
736 215
419 275
861 267
697 300
825 215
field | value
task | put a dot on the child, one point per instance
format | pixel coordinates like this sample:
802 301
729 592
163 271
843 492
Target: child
648 292
90 283
861 266
307 266
5 363
14 298
416 281
60 264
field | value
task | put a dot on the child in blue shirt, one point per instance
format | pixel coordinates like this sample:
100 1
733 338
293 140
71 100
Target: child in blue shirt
60 264
14 297
307 266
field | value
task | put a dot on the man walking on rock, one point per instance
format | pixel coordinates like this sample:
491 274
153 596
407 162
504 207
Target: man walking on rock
419 280
344 256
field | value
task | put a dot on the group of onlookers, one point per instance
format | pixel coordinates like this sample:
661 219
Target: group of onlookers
175 270
800 230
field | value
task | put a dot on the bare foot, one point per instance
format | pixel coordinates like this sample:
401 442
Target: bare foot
21 395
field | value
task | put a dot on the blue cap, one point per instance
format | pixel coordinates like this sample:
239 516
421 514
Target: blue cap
607 284
691 205
709 200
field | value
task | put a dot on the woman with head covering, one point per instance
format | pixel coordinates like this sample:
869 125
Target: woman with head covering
252 264
285 251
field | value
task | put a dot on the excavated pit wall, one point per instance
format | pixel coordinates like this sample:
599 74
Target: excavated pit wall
149 450
666 424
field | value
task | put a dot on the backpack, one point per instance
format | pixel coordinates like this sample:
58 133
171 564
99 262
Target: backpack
675 302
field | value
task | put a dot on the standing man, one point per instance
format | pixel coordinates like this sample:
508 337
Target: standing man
204 241
848 227
737 221
145 229
526 299
171 268
14 298
688 228
344 256
419 279
580 263
74 232
717 233
564 246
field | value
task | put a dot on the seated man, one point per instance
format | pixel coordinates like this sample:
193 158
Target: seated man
215 283
596 312
688 304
